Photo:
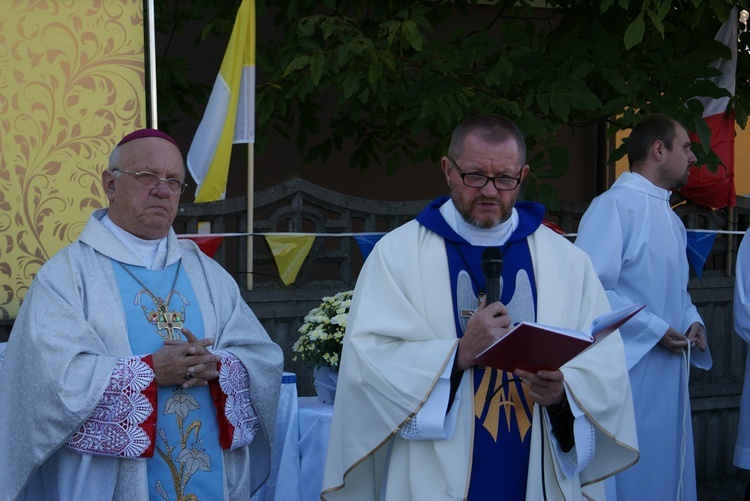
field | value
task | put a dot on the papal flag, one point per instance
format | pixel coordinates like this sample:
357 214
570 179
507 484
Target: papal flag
716 189
230 114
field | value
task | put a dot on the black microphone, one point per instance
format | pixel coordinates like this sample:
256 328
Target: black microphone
492 267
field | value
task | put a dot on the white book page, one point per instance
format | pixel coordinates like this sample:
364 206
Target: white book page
607 319
560 330
602 322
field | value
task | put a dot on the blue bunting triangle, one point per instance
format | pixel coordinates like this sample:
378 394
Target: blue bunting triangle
699 246
366 243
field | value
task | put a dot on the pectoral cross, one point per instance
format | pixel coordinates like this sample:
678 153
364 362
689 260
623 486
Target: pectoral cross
169 321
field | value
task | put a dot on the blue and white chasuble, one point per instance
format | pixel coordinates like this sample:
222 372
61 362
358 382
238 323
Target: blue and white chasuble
187 429
502 408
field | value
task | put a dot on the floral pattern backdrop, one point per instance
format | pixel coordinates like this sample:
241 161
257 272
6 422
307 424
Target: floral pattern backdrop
72 82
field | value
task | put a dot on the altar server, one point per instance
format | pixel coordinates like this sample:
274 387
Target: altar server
638 247
742 328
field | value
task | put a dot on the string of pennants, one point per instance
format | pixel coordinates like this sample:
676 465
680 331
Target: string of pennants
290 250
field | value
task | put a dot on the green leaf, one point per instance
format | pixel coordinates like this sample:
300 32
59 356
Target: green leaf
307 26
664 7
543 101
616 80
582 70
375 71
657 21
350 84
741 114
560 105
411 33
317 62
297 64
328 28
634 33
704 134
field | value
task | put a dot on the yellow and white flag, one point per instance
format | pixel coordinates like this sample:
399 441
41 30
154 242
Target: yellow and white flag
230 114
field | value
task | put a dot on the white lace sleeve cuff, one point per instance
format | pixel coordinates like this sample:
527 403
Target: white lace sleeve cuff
234 381
431 422
115 426
575 460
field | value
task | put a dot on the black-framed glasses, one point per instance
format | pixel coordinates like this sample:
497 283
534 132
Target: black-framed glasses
476 180
150 180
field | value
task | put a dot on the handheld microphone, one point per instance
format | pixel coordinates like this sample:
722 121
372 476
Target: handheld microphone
492 267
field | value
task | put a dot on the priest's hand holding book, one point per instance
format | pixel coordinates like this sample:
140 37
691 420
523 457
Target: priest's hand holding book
533 347
534 352
487 324
490 323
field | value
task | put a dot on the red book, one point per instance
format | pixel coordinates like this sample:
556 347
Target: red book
534 347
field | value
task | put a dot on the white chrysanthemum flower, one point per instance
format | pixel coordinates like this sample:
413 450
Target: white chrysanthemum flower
322 332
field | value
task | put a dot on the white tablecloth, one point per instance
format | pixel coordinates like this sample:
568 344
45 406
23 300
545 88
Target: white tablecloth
283 481
314 430
302 429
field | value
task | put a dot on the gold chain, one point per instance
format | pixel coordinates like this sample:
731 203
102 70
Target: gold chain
166 320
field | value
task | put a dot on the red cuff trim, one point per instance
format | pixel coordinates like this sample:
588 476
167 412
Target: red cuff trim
226 430
149 425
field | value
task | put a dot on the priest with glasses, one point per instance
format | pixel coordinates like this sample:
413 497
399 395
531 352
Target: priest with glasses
135 370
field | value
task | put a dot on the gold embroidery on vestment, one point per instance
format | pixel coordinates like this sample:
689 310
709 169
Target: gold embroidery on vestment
509 399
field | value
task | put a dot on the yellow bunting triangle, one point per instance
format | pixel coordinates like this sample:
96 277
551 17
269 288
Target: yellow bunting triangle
289 252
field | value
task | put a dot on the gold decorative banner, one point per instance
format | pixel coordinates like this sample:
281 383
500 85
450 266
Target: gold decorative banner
289 252
72 83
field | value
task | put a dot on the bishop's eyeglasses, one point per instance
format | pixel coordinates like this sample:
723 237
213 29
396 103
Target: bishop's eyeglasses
150 180
476 180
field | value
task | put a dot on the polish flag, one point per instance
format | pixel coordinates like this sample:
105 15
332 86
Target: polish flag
716 189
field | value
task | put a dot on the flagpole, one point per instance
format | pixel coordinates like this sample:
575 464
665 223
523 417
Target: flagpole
250 203
229 119
152 63
251 158
730 241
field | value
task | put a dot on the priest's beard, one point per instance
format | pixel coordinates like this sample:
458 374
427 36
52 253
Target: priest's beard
466 209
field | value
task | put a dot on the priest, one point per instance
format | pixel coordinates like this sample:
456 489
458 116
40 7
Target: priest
135 370
414 417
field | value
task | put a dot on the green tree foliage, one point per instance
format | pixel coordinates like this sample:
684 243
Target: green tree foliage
393 77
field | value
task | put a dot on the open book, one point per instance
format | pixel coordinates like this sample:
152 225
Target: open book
533 347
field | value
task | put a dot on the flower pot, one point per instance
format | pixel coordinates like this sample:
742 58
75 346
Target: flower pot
325 379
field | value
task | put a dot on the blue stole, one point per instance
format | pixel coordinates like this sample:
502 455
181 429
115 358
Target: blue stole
503 411
188 457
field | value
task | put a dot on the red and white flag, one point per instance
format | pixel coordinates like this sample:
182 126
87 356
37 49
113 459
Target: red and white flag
716 189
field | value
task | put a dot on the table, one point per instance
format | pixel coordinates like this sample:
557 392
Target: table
303 426
283 479
314 430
